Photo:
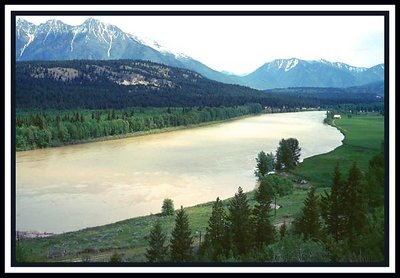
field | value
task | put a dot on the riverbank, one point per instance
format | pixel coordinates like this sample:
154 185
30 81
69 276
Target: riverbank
117 179
129 237
43 129
158 130
148 132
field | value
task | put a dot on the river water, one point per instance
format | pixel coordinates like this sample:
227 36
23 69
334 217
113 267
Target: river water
73 187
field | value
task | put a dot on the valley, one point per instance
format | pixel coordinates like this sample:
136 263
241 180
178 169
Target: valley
130 153
129 237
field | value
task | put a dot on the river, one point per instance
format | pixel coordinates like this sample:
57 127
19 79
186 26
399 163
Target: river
73 187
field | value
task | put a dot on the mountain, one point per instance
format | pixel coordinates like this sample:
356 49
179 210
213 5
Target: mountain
93 39
100 84
104 84
284 73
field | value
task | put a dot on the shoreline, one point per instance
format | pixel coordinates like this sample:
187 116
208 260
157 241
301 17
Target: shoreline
144 133
159 131
29 234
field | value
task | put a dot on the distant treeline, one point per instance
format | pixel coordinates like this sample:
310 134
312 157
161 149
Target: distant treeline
53 128
326 97
83 84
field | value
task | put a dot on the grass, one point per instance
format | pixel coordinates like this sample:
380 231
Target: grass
363 137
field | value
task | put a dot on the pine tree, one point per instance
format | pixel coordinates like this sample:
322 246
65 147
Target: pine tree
264 231
156 251
216 231
374 190
181 240
355 214
308 224
239 218
332 205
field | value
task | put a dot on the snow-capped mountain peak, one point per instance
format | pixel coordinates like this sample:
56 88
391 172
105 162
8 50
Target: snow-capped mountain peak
54 26
95 40
284 64
152 43
160 48
291 64
344 66
24 27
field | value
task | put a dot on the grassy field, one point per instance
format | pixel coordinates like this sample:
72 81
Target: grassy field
363 137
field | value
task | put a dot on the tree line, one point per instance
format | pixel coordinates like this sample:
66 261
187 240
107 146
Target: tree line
343 225
43 129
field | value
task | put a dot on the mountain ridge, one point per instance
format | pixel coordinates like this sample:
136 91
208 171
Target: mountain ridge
93 39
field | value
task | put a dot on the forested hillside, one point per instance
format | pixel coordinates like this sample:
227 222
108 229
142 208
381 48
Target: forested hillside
119 84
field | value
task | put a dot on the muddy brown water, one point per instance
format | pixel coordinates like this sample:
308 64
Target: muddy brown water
73 187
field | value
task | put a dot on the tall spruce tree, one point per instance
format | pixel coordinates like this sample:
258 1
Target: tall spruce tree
216 231
239 221
355 209
308 224
264 231
332 205
157 250
375 177
181 240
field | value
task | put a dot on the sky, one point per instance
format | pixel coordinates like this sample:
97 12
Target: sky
241 44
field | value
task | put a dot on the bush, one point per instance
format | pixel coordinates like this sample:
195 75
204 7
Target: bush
116 257
279 186
294 249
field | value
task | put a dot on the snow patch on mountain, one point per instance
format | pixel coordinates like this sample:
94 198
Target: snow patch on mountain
291 64
160 48
75 31
344 66
31 37
109 48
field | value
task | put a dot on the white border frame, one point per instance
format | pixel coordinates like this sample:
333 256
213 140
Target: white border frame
7 118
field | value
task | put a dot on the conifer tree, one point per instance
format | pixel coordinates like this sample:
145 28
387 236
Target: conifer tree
264 231
308 224
157 250
216 232
181 240
375 177
332 205
355 214
239 218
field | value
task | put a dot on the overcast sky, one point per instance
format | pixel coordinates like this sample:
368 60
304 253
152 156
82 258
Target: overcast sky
240 44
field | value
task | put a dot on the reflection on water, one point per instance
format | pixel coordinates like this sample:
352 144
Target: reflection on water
73 187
